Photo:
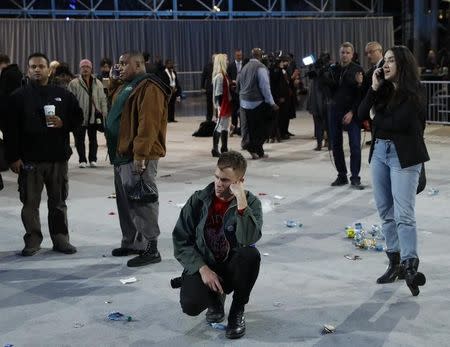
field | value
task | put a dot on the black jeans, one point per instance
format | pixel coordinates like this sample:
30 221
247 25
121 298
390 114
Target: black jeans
80 135
209 105
258 121
354 137
239 273
171 109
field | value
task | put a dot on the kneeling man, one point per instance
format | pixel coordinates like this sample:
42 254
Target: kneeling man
214 241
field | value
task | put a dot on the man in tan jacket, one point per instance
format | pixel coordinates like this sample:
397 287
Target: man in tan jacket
136 137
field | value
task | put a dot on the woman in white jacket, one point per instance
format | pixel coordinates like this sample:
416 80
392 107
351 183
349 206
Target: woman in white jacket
222 103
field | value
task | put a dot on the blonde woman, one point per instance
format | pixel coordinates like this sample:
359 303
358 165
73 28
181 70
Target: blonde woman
222 102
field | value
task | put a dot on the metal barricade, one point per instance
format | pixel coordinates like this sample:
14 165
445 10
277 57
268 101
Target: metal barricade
438 101
190 81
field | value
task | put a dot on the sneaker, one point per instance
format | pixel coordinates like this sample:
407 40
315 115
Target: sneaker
123 252
93 164
340 181
66 249
30 251
82 165
145 258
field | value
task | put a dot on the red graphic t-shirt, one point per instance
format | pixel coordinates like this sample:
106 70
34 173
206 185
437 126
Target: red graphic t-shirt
215 237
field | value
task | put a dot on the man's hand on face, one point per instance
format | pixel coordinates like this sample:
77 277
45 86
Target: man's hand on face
238 191
210 279
16 166
139 166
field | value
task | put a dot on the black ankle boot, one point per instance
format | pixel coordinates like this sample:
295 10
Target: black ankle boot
394 269
216 313
224 140
413 278
149 256
236 323
215 150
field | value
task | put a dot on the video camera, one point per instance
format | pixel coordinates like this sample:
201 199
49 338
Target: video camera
319 66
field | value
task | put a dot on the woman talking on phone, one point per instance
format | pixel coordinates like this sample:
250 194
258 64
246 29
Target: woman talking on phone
396 156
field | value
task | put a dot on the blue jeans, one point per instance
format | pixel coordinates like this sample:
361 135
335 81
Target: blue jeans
337 143
395 196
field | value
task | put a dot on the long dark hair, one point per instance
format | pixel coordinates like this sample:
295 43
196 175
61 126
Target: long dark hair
407 80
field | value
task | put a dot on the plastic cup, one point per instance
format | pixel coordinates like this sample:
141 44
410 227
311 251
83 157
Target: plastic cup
49 110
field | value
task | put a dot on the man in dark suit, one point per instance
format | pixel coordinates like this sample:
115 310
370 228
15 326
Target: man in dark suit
233 71
207 86
171 79
374 52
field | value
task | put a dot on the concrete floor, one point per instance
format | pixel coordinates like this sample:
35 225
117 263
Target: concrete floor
305 281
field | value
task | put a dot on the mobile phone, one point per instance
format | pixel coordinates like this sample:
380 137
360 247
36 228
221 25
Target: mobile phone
380 74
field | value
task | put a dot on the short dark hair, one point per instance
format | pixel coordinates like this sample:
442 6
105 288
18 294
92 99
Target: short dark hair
233 160
135 54
4 59
63 69
39 55
105 61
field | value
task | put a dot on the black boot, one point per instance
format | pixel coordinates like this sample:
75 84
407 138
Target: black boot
149 256
224 140
394 269
215 150
236 323
216 313
413 278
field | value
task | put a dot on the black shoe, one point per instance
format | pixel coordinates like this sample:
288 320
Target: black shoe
236 324
149 256
30 251
224 140
216 313
356 184
215 153
394 269
290 134
172 121
318 148
66 249
340 181
413 278
123 252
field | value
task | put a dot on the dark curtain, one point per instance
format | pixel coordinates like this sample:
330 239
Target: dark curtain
189 42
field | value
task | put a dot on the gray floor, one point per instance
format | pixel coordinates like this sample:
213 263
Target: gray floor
305 281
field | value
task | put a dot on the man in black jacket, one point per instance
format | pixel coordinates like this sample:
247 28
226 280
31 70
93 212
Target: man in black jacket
38 149
207 86
233 71
345 102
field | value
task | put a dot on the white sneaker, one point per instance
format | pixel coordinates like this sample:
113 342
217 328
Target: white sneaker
82 165
93 164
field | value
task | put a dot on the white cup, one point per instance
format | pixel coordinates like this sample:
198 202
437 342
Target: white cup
49 110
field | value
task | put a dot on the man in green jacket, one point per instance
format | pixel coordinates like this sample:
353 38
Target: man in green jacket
214 241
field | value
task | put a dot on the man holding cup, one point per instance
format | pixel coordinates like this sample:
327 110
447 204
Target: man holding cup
39 119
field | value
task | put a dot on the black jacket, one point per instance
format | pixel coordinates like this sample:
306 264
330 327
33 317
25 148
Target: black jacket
367 81
27 136
207 77
10 79
404 124
344 88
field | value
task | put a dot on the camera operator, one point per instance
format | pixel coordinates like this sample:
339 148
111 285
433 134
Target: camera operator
345 101
319 97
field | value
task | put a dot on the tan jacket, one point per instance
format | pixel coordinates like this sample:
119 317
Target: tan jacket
143 123
79 88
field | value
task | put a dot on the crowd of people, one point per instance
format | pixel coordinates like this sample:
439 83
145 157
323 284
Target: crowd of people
215 235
